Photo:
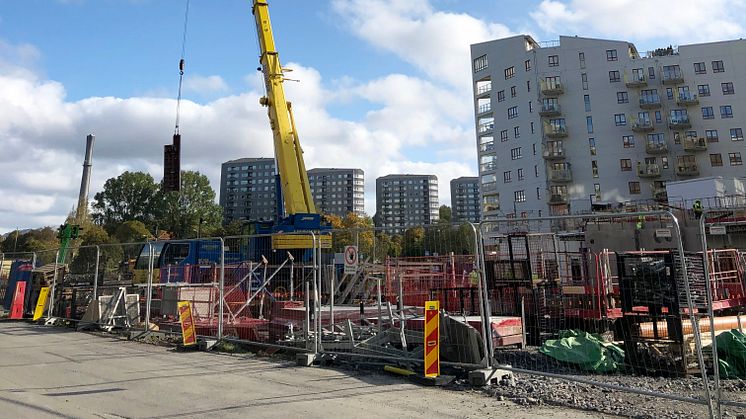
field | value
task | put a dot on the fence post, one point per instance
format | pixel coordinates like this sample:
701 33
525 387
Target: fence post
54 282
316 303
692 315
710 313
486 309
149 287
221 288
482 293
95 275
2 264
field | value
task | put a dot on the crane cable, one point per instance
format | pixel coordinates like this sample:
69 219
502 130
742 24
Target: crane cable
181 67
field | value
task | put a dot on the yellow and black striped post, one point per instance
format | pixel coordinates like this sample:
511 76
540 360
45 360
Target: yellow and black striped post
432 339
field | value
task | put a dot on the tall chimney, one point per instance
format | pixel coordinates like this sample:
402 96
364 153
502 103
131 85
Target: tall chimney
85 182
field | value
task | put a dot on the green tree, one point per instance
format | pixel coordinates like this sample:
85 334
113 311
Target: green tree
84 258
191 211
444 214
413 242
132 232
131 196
31 241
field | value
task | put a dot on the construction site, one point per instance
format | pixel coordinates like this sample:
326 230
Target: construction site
634 313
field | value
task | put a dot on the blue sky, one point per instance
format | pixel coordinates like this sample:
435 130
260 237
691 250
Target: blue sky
385 84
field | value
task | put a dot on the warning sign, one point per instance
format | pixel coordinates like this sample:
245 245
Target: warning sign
188 334
16 308
41 303
350 259
432 338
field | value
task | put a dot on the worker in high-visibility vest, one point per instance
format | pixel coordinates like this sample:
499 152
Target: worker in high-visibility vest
697 208
640 222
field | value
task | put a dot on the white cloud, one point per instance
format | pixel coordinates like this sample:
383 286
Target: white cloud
686 21
204 85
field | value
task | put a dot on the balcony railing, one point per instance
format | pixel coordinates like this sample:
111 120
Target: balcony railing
550 109
695 144
672 77
660 194
551 88
563 175
554 153
648 170
687 169
558 198
487 146
486 127
485 107
654 147
687 99
485 88
635 80
642 125
679 122
650 101
555 131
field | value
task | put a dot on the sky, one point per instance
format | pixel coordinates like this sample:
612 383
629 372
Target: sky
383 85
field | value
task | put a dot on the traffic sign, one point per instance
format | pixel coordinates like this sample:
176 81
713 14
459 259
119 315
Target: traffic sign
350 260
188 334
432 338
41 303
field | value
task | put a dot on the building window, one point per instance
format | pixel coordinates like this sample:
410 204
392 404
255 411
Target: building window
504 135
614 76
736 134
581 58
584 80
726 111
625 165
515 153
532 127
634 188
517 132
509 73
536 170
669 93
589 124
592 146
611 55
711 135
520 174
699 68
527 64
658 117
513 92
553 60
507 177
513 112
716 160
620 119
538 196
594 168
533 147
735 159
519 196
703 89
528 86
727 88
597 189
587 102
628 141
718 67
480 63
664 162
622 97
707 112
651 73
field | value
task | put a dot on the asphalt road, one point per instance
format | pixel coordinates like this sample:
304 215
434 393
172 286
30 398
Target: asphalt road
52 372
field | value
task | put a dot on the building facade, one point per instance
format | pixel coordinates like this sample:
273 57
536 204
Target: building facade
248 190
583 124
404 201
465 200
338 191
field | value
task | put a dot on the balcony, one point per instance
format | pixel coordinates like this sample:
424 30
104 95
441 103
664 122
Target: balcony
654 147
695 144
550 109
555 131
484 88
556 199
648 170
551 88
563 175
679 122
556 153
687 169
660 194
484 108
650 102
687 99
486 127
672 77
635 80
644 125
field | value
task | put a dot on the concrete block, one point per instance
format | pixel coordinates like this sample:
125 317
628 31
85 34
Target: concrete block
489 376
305 359
207 344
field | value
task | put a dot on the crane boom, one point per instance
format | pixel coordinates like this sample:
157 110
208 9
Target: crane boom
288 153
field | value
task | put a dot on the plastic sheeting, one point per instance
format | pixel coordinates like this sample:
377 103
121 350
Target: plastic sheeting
588 351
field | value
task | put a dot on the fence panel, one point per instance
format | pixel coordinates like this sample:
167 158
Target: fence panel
14 267
723 254
374 285
602 299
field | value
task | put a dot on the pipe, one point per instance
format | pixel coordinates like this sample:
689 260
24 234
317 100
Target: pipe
705 324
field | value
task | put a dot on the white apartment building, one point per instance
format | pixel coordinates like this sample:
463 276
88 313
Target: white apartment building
582 124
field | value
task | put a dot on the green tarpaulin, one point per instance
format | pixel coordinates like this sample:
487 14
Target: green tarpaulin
732 354
586 350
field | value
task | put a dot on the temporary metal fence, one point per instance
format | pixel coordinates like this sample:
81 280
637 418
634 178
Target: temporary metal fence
618 289
723 249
